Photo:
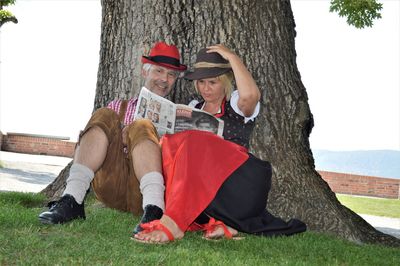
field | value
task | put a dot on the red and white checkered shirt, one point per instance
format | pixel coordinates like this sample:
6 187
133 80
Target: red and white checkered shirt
130 109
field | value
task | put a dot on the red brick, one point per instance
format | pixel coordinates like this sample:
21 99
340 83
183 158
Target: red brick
362 185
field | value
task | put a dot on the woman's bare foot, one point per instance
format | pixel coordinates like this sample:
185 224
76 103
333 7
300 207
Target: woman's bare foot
160 236
219 233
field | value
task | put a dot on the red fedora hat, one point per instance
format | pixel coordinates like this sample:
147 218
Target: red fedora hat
164 55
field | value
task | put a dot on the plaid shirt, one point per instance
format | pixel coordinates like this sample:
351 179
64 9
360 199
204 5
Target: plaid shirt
130 109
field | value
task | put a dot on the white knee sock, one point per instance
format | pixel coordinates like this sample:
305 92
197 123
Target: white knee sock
152 188
78 181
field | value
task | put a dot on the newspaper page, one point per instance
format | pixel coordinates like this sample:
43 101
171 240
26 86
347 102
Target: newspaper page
169 118
191 118
159 110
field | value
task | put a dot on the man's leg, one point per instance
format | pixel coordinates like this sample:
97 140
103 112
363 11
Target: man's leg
89 156
147 165
146 159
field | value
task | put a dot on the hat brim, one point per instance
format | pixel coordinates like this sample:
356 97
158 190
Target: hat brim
203 73
147 60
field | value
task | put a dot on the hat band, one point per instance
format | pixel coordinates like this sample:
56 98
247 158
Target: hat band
165 60
210 65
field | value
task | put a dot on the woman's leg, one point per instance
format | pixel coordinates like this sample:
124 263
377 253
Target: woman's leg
193 174
156 235
242 200
196 164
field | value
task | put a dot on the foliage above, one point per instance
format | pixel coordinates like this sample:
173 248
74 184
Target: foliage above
5 15
7 2
359 13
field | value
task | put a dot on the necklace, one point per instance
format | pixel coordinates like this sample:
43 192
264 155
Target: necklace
221 109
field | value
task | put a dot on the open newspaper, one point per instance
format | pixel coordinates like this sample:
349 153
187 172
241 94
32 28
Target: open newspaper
170 118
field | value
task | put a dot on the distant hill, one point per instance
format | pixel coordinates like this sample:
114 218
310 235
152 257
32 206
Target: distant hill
380 163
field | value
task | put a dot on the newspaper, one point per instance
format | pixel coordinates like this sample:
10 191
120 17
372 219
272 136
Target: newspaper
170 118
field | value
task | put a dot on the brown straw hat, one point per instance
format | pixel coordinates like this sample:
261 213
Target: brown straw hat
208 65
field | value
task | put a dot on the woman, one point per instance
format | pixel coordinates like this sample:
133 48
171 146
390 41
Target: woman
214 184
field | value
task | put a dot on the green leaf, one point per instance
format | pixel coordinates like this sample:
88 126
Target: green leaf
359 13
5 14
7 2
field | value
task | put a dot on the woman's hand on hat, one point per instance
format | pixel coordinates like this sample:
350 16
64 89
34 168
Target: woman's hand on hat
225 52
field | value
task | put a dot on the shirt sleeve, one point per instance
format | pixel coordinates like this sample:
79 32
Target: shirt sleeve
193 103
234 104
114 105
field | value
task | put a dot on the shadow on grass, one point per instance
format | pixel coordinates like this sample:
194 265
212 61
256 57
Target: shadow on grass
27 200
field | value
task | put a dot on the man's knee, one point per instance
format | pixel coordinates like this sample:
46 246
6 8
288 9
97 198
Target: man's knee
141 124
140 130
104 114
103 119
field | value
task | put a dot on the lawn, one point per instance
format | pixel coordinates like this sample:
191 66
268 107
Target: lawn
104 239
371 206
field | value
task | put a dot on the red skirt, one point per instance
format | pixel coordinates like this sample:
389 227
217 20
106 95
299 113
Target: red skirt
195 165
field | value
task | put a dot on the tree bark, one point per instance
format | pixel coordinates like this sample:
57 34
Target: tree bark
54 190
263 34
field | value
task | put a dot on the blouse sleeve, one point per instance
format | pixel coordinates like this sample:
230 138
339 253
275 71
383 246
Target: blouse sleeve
234 104
193 103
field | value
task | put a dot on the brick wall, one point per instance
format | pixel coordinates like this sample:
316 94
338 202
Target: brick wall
37 144
338 182
362 185
1 140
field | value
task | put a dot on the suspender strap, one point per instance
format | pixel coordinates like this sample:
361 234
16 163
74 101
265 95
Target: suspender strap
122 111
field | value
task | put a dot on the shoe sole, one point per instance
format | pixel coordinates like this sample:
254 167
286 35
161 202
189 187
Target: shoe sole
150 242
217 239
47 221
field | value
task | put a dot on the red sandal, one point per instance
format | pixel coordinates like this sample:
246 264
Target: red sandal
213 225
155 225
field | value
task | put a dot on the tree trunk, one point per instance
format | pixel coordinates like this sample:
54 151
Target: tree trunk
56 188
262 33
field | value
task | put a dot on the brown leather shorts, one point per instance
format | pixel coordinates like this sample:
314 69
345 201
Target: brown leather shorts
115 183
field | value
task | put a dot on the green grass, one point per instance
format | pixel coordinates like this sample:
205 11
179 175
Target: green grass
372 206
104 239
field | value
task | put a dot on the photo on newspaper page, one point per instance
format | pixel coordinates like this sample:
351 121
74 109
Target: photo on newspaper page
159 110
169 118
191 118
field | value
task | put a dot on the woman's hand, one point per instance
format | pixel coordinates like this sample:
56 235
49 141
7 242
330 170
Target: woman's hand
225 52
249 94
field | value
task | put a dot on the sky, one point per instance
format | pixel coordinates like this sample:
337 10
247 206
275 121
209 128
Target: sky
49 63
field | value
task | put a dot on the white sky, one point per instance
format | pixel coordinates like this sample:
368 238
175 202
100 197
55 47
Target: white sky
352 76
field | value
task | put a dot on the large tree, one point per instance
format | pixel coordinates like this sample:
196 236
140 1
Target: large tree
263 34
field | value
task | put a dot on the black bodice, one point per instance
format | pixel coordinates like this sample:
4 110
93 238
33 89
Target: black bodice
235 129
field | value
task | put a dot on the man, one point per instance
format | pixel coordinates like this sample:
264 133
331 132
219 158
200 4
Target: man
119 156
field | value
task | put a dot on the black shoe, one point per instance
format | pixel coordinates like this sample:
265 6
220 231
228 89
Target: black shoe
151 213
62 211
